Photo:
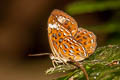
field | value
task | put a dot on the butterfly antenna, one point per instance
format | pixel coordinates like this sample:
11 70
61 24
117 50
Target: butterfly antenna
39 54
81 67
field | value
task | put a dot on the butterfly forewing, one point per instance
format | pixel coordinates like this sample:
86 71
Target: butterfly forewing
56 33
65 20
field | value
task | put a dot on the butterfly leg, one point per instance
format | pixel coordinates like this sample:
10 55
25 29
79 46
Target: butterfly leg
54 60
64 62
81 67
53 63
57 61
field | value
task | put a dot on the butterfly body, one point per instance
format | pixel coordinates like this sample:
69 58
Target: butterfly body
67 41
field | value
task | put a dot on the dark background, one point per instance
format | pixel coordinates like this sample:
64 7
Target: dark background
23 30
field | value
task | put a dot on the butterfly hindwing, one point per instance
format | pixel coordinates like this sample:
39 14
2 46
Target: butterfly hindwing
87 39
70 48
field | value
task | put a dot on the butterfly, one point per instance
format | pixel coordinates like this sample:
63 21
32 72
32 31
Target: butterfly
67 41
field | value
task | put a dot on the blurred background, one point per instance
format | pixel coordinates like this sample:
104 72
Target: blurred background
23 30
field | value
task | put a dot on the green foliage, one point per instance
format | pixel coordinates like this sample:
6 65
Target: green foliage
99 66
84 7
107 28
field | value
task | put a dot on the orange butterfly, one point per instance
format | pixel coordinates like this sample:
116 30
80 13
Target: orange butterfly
67 41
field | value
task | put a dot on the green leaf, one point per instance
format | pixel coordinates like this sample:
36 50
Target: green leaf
87 7
62 78
99 65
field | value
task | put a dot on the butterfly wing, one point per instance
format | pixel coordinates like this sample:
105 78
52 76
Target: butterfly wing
65 20
71 49
61 28
66 40
87 39
56 33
